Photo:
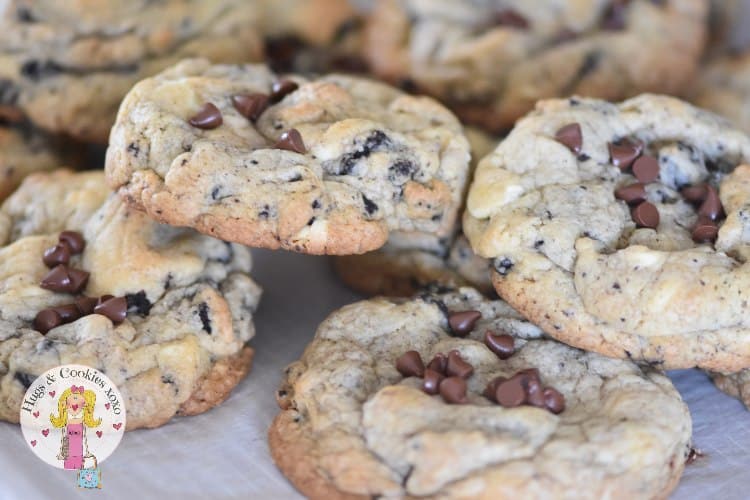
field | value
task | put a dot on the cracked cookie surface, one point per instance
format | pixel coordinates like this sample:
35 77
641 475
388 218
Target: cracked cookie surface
493 60
67 66
183 344
369 159
352 426
571 256
724 88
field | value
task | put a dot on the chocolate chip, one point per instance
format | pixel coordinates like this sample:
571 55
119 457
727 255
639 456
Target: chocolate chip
462 322
511 18
457 367
624 153
553 400
68 313
695 194
705 230
114 308
503 345
251 106
78 280
439 363
510 393
74 240
431 382
535 393
280 90
645 215
46 320
291 140
207 118
489 391
453 390
86 305
410 364
632 194
529 374
711 206
570 136
64 279
58 254
646 169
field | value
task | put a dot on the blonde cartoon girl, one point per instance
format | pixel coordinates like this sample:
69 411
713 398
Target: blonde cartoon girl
75 412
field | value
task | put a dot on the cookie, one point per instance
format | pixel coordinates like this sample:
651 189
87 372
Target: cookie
165 312
22 152
724 87
323 166
492 62
735 384
68 66
408 263
401 399
618 227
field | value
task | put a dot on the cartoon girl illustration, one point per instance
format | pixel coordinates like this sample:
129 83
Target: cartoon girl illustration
75 410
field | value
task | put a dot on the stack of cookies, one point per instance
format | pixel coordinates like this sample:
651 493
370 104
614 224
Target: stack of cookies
545 226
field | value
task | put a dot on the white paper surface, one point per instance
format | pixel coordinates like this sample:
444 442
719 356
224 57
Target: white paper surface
223 454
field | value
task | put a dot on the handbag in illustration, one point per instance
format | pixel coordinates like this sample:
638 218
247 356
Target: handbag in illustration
90 477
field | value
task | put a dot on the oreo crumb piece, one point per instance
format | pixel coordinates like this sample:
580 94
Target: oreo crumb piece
316 204
263 214
311 221
140 302
36 70
24 379
25 16
370 206
538 244
503 266
374 141
400 171
583 157
168 282
203 314
133 149
166 379
215 193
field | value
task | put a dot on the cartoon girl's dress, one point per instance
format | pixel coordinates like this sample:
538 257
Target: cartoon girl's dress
75 446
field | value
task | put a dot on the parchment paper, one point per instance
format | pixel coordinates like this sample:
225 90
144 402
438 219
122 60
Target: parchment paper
223 454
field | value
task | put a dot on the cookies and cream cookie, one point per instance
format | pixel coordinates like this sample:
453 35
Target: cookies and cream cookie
330 165
165 312
491 60
454 396
622 229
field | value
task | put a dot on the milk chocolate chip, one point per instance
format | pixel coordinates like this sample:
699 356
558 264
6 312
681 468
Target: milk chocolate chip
711 206
114 308
705 230
624 153
280 90
74 240
570 136
453 390
291 140
439 363
431 382
462 322
251 106
207 118
46 320
58 254
632 194
646 169
646 215
64 279
510 393
554 401
410 364
503 345
457 367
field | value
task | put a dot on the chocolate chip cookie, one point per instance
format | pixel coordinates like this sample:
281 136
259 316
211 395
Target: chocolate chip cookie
23 151
735 384
454 396
622 229
491 61
68 65
410 262
323 166
724 87
165 312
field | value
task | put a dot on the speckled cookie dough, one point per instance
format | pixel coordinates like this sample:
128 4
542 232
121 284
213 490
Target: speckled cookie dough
324 166
622 229
173 337
358 419
491 61
67 65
